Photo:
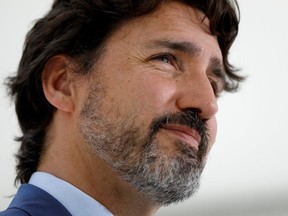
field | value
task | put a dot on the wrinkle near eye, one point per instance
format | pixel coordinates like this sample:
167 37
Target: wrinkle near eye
138 57
140 53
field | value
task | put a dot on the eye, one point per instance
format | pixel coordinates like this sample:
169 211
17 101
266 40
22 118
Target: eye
167 58
215 87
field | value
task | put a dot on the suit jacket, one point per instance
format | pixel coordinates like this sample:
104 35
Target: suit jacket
33 201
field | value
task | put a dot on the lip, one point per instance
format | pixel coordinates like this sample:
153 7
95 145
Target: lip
184 133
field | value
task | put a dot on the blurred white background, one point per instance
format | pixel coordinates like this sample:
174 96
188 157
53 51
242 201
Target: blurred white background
247 172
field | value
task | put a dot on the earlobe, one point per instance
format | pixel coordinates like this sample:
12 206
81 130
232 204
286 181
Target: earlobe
57 84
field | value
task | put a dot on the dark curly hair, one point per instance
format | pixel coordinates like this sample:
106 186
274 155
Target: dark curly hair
78 29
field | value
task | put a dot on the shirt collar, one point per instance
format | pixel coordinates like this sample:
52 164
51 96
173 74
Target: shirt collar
74 200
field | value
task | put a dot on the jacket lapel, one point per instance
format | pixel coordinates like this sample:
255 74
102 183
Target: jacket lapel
36 201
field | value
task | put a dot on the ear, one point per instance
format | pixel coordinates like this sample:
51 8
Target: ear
57 85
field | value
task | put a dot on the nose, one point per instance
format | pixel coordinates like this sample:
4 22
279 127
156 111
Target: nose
197 93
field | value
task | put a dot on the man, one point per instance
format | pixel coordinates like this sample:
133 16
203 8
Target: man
117 101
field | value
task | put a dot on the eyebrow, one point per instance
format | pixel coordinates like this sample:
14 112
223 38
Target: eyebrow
189 48
193 50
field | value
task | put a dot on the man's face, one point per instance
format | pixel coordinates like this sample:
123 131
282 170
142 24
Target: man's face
150 108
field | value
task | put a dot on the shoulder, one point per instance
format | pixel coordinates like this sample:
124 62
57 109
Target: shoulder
14 212
33 201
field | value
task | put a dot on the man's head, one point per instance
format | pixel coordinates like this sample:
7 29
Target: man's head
139 79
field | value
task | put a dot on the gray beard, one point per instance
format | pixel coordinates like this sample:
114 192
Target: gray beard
162 177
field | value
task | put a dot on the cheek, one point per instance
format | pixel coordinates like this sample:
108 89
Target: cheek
160 94
157 91
149 94
141 98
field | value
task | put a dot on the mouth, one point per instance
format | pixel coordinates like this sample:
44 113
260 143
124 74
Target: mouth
185 134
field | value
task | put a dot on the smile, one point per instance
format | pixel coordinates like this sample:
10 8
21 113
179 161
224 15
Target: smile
185 134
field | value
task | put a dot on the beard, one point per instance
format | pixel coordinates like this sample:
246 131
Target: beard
137 155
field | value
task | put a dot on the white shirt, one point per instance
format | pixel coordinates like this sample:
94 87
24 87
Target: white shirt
74 200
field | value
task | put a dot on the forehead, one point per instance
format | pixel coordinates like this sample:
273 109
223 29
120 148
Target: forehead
173 21
174 11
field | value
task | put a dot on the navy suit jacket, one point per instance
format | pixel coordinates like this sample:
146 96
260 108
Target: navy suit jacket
33 201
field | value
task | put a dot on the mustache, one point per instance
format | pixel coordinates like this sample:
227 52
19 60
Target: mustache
189 118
